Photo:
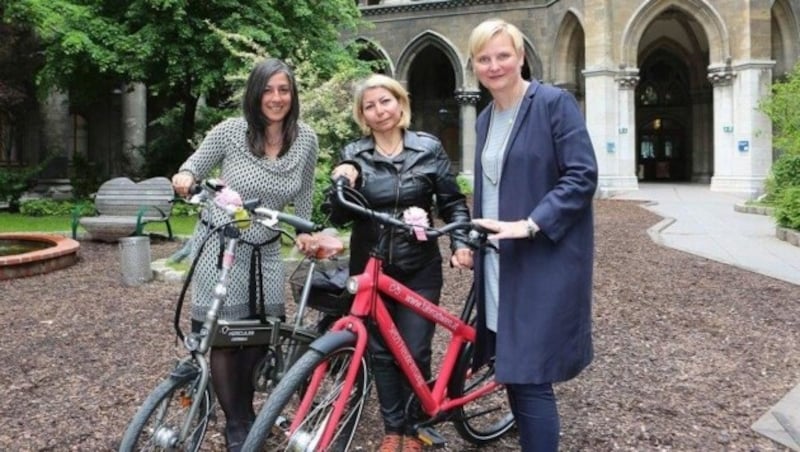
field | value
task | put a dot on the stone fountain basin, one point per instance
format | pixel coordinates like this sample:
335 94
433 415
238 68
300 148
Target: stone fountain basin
59 252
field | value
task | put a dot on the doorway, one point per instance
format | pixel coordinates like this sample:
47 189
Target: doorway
661 154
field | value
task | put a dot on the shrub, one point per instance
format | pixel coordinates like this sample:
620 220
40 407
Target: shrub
14 182
48 207
787 208
785 173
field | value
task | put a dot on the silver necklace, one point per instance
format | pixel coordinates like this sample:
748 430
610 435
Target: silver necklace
491 166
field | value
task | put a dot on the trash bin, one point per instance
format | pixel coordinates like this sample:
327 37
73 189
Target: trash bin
134 260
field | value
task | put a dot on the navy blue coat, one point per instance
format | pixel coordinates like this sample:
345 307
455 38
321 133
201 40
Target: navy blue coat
550 175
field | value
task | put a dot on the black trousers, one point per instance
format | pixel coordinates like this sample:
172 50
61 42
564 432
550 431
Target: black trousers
391 384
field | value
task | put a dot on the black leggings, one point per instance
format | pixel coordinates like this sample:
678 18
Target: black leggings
390 382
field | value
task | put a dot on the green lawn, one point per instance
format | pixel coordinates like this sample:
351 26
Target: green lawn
14 222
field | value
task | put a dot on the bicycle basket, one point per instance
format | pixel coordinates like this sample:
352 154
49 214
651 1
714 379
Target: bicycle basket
327 294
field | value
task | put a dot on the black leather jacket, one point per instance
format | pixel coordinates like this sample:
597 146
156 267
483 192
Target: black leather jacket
420 176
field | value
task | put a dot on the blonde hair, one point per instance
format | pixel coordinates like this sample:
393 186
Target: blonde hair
393 86
490 28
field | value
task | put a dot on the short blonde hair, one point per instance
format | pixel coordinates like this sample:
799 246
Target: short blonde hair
389 84
488 29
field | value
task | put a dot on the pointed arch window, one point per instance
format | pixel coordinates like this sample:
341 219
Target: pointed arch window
662 83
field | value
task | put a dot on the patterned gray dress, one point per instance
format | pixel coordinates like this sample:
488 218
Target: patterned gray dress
276 183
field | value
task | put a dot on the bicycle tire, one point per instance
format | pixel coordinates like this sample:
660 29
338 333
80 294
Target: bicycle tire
487 418
270 429
167 406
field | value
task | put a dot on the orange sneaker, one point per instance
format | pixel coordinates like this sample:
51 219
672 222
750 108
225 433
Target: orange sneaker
392 442
411 444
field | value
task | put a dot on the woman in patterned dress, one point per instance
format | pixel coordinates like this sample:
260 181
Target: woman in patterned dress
269 155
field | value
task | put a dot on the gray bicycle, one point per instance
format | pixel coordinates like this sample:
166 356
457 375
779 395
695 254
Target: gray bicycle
177 413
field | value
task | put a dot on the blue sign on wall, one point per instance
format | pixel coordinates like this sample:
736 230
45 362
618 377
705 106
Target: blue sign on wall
744 146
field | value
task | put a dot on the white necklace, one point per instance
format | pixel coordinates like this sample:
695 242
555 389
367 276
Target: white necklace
491 164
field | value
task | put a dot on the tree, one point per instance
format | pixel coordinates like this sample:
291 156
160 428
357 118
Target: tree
92 46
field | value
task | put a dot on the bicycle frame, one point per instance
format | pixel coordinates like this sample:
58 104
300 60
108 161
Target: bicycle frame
368 303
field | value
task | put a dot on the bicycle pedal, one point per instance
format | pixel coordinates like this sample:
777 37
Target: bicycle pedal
431 437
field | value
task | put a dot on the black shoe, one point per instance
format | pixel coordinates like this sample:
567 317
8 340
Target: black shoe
236 434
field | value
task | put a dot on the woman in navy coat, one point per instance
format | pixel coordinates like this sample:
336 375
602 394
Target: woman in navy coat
535 179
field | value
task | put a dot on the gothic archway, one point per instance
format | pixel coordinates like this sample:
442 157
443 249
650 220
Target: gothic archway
569 56
673 101
432 85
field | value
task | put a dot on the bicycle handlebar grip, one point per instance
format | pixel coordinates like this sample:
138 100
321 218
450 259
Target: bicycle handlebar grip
302 225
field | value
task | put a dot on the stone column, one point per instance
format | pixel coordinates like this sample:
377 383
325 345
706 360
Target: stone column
625 170
468 100
742 134
604 124
56 135
753 82
721 77
134 127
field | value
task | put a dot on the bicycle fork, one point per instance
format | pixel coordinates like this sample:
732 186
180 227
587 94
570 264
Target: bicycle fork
322 442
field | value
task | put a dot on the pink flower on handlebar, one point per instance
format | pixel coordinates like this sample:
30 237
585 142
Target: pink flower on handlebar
418 218
227 198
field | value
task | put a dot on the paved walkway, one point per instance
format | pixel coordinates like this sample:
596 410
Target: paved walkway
702 222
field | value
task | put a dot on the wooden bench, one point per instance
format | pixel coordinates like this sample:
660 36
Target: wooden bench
124 207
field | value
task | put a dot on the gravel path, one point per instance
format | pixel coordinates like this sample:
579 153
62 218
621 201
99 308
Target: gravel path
689 352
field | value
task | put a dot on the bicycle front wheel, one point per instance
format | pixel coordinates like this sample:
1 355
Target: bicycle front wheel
160 420
271 430
487 418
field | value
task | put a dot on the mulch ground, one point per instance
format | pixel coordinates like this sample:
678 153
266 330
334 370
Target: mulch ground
689 352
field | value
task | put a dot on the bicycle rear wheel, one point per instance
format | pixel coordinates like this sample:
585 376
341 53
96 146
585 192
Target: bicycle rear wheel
271 428
487 418
158 423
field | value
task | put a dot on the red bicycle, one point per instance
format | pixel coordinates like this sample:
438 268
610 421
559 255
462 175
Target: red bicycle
318 404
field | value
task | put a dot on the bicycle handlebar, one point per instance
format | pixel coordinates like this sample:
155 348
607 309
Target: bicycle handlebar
476 236
230 201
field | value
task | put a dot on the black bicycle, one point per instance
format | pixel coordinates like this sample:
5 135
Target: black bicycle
177 413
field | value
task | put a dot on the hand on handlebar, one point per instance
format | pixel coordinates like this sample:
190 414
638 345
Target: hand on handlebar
462 259
182 183
347 171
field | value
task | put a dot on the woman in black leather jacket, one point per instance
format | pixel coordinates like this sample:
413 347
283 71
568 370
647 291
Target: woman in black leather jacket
395 169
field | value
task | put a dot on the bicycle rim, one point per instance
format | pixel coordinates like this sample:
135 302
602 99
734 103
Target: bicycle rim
158 423
487 418
271 428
